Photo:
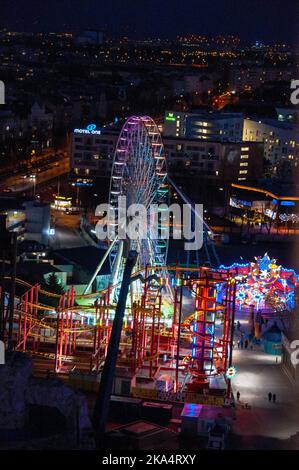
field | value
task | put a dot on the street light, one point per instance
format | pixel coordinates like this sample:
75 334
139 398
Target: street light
33 178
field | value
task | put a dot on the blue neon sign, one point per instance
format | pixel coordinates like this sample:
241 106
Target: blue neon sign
287 203
90 129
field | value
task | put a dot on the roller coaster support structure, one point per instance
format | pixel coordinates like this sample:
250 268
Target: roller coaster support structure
28 320
65 329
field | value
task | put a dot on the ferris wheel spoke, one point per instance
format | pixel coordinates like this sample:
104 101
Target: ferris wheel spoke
139 173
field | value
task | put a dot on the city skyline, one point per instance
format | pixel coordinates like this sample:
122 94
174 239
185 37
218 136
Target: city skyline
142 19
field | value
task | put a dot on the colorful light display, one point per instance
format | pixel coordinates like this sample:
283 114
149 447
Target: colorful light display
139 173
231 372
264 285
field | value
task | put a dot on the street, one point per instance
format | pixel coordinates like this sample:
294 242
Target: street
258 374
67 234
18 183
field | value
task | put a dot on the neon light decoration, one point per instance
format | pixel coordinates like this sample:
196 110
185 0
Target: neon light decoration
170 117
231 372
90 129
139 173
266 285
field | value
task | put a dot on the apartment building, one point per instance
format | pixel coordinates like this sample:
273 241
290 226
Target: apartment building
280 139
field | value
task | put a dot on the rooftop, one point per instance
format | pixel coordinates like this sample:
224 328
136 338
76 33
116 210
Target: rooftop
288 126
271 189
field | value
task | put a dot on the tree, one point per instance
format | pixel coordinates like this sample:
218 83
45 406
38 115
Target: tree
51 285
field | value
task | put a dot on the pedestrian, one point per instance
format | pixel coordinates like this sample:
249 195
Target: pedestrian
269 396
274 397
239 325
238 344
242 344
238 395
246 343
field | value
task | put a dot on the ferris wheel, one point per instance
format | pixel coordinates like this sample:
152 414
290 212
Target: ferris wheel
139 173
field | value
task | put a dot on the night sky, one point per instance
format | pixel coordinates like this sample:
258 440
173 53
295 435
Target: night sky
263 20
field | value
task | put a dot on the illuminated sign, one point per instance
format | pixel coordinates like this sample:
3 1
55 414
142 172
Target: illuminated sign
90 129
82 182
231 372
239 203
287 203
270 214
170 117
62 203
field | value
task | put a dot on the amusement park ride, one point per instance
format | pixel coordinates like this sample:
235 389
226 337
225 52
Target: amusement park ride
177 333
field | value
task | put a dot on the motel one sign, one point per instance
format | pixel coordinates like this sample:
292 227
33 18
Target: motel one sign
90 129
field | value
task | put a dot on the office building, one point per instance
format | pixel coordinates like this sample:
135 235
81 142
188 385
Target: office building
216 162
92 152
206 126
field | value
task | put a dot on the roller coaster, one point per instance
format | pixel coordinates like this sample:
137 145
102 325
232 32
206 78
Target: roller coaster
173 321
190 337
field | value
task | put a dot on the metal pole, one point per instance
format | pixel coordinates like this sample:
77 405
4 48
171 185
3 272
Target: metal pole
99 266
101 409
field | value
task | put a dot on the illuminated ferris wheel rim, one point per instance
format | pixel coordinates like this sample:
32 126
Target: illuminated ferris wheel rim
139 173
131 134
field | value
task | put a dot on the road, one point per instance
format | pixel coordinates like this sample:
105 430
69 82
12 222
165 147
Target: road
17 182
67 234
266 424
40 159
